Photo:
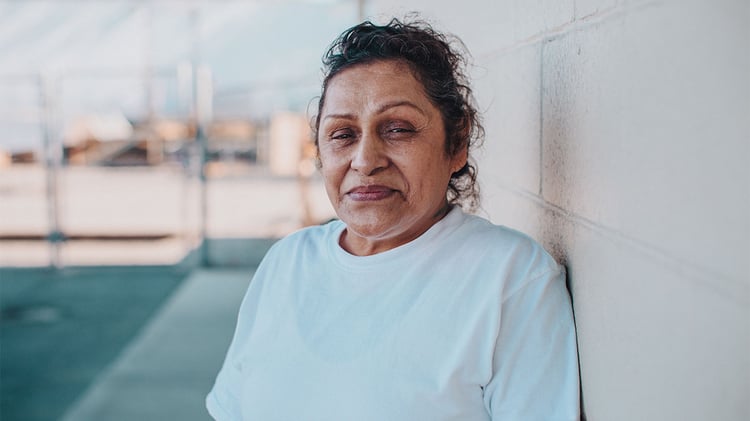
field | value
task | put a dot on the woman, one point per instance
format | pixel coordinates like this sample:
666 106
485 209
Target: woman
407 308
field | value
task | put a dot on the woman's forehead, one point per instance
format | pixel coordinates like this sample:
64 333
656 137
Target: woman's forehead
375 85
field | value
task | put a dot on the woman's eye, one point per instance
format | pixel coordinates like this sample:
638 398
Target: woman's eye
342 135
399 131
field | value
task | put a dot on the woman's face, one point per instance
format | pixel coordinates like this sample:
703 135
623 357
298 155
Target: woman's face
382 153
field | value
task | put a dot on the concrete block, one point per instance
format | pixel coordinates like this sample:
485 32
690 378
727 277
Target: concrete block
513 209
656 340
645 131
485 26
507 90
654 343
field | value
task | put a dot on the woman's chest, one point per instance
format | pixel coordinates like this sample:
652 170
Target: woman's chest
383 353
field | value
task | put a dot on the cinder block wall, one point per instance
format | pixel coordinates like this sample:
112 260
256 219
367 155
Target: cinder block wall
618 134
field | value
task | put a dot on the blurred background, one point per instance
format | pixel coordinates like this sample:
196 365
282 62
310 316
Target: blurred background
140 142
156 124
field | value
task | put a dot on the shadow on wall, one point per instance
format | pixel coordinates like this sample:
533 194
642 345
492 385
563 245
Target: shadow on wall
557 89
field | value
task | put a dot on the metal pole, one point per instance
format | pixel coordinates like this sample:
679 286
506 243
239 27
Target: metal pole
52 161
148 73
204 115
202 97
185 88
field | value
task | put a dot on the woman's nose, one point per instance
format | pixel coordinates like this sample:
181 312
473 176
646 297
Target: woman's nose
369 155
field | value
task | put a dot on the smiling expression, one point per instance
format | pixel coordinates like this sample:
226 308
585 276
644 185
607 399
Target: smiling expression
382 154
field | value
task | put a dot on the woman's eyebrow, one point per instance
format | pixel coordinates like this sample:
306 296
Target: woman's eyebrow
339 115
400 103
381 109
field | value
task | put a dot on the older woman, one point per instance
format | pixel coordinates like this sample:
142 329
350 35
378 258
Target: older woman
406 308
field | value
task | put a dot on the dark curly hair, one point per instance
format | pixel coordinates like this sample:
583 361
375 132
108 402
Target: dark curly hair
438 64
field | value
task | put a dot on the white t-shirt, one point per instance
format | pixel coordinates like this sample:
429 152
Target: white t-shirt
470 321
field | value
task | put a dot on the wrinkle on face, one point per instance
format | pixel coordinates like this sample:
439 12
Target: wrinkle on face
382 156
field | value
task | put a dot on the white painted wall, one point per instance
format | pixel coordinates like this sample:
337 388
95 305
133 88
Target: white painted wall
618 134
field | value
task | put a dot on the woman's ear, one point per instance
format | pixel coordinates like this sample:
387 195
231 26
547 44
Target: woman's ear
459 159
318 163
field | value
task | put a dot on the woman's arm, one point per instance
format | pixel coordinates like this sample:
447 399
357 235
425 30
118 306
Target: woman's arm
535 366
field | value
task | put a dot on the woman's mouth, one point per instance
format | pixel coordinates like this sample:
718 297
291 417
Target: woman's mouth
370 193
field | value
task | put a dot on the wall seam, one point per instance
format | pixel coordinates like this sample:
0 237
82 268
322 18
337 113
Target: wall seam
726 286
577 24
540 190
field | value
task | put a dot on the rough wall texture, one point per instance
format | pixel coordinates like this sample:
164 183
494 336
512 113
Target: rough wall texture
618 134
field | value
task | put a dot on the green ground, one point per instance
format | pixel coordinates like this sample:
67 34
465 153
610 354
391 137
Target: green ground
60 329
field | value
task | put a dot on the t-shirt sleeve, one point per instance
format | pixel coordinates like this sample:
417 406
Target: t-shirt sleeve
221 402
535 365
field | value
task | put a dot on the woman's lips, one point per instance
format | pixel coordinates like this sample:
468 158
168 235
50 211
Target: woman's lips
370 193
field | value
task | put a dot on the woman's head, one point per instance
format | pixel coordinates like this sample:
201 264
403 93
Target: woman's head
437 63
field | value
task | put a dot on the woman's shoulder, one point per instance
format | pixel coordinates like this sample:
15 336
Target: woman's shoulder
482 230
502 245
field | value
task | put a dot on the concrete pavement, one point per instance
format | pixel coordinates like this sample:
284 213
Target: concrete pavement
166 371
149 358
59 329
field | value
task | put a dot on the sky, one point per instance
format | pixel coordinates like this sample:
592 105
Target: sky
119 56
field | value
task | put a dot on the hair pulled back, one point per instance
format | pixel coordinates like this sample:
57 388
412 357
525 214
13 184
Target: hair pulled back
438 64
